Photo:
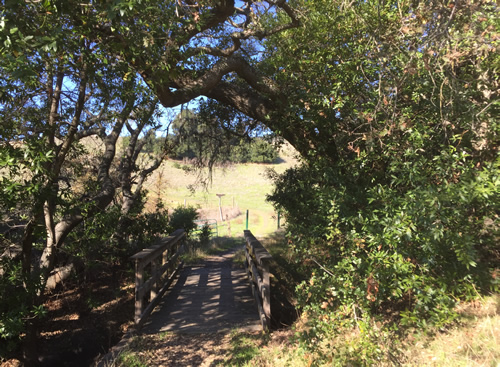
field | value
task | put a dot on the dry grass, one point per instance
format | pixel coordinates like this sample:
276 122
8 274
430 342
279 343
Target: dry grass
474 342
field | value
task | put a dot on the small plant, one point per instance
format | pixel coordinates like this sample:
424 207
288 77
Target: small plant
205 234
129 359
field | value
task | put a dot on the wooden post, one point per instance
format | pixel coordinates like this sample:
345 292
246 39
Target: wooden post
220 206
164 260
266 290
154 286
139 279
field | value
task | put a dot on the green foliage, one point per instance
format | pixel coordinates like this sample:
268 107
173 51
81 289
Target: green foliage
205 234
257 150
347 337
56 89
206 138
130 360
96 240
398 215
183 217
16 290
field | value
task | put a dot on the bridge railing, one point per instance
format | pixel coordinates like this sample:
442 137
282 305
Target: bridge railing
155 269
257 267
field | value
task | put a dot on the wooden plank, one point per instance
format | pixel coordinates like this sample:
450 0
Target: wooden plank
266 291
157 299
263 319
256 277
259 251
152 252
147 285
166 243
258 274
156 256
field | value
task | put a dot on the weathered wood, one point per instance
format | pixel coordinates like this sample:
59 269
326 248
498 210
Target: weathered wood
156 277
266 290
253 278
139 298
163 257
162 245
147 311
257 267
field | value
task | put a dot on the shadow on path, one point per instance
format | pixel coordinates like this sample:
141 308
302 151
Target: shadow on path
213 296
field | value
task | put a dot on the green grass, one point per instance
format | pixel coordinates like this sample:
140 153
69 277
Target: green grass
245 187
244 347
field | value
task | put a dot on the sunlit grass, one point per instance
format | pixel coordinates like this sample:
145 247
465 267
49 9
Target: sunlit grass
475 341
243 348
197 251
244 186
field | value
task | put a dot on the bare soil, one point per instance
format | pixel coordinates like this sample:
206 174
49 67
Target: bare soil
84 319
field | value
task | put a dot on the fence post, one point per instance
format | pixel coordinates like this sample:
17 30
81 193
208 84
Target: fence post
247 221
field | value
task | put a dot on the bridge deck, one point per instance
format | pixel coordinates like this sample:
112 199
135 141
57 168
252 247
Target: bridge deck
209 297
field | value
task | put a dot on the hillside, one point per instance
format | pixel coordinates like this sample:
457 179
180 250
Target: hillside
244 186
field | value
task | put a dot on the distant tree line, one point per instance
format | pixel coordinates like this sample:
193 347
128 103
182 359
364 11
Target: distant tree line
193 138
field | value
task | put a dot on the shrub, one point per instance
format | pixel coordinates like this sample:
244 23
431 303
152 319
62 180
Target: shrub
183 217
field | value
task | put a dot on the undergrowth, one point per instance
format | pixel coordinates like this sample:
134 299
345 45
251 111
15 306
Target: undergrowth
473 340
347 336
327 336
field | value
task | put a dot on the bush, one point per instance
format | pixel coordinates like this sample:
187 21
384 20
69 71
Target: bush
184 217
395 216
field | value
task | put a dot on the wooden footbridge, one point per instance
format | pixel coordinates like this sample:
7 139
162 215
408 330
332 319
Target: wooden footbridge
212 296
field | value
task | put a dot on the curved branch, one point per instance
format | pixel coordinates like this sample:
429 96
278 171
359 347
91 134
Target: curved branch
214 51
223 10
187 87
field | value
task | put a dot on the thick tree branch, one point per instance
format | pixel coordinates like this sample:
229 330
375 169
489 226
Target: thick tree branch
188 87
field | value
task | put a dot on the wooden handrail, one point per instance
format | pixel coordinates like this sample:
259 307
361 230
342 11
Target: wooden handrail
257 267
165 264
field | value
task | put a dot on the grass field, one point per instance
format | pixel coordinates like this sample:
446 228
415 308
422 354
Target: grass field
244 186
